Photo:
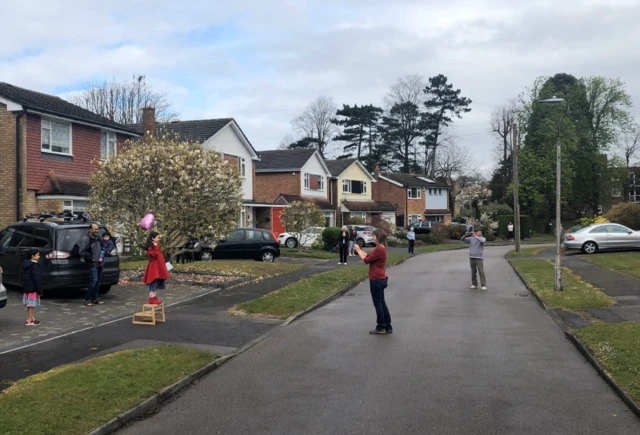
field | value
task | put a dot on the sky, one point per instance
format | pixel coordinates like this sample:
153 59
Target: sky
261 62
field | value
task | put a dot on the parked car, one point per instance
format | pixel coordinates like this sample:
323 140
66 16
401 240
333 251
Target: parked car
3 292
307 237
196 250
423 227
602 237
364 235
61 265
248 243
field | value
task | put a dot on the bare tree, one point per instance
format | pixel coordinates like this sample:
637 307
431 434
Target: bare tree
407 89
453 161
122 101
315 123
287 140
630 142
503 118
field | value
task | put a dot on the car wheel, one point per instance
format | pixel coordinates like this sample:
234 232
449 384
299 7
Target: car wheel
267 256
360 242
590 248
206 255
105 289
291 243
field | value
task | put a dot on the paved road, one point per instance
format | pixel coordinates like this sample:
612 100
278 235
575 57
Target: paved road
459 362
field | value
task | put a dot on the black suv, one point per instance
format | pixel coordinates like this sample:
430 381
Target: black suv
248 243
61 265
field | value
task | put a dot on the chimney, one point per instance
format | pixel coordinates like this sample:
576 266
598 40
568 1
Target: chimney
148 122
377 172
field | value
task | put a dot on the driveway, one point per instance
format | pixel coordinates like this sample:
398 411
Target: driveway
459 362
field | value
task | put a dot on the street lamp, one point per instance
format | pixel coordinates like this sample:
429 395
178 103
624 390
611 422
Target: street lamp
557 271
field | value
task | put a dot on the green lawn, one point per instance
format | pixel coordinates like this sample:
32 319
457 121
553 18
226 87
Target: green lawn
308 253
617 348
253 269
525 252
576 294
625 262
77 398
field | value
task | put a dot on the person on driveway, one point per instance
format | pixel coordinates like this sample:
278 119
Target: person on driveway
378 281
90 249
353 235
411 237
476 249
343 245
31 285
510 230
157 272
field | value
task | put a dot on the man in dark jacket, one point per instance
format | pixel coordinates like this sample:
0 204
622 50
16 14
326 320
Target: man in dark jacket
90 248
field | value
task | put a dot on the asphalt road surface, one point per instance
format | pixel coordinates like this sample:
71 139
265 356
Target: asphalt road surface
459 362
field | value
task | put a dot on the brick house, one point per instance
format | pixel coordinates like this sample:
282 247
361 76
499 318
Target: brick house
284 176
49 147
227 138
352 193
414 197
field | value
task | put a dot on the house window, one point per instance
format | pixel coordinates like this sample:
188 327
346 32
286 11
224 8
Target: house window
615 193
243 218
242 167
108 145
354 186
313 182
414 193
328 219
56 137
362 216
74 205
599 209
346 186
414 218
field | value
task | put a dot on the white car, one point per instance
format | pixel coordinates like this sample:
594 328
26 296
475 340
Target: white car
305 238
3 292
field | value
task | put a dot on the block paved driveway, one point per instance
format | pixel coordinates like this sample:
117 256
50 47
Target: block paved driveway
459 362
65 312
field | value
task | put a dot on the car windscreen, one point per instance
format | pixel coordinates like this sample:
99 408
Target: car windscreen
68 239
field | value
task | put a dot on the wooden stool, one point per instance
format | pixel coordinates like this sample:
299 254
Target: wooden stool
148 313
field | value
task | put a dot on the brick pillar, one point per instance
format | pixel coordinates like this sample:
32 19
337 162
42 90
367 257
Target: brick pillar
148 121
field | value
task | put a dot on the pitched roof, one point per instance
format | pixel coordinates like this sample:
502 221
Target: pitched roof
408 180
370 206
195 131
323 204
337 167
283 160
57 106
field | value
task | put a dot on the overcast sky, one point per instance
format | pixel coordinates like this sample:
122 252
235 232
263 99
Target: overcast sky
262 62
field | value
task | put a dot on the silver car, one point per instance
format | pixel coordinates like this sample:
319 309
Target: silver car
602 237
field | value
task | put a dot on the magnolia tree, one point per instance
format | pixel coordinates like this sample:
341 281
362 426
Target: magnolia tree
300 216
473 196
193 193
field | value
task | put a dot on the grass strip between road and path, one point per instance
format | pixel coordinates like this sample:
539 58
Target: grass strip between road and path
307 292
77 398
252 269
308 253
617 348
624 262
576 294
525 252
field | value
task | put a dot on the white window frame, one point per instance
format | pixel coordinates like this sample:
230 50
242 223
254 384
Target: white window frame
243 218
362 215
46 123
615 193
110 137
414 218
70 204
242 167
418 190
321 185
306 180
364 188
346 184
329 214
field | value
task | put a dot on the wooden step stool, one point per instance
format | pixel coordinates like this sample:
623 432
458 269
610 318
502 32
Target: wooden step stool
148 313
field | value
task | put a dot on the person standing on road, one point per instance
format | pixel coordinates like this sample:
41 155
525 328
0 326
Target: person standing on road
510 229
476 249
156 273
31 285
343 245
378 281
353 235
411 237
90 250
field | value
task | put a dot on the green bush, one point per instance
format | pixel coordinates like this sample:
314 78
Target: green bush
503 225
401 235
490 236
428 239
627 214
356 221
440 233
330 236
317 244
456 231
494 210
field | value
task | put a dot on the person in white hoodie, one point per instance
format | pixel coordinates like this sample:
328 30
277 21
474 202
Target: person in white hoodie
476 250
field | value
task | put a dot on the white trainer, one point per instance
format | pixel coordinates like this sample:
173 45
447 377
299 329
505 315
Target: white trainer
473 287
484 287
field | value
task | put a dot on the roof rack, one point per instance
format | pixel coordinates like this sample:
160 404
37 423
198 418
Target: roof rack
66 216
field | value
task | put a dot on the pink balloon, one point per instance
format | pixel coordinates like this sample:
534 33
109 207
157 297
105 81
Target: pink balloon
147 222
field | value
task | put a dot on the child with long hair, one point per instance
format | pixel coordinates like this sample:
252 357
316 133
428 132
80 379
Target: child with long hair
156 273
31 285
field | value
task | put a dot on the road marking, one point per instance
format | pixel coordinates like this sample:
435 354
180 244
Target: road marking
104 324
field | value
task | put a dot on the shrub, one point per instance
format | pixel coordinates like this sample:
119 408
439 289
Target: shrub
494 210
429 239
402 235
440 232
627 214
356 221
490 236
330 236
456 231
383 225
317 244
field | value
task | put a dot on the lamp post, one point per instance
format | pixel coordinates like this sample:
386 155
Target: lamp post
557 275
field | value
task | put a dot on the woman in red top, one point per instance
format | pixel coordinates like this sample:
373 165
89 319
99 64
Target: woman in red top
156 273
378 281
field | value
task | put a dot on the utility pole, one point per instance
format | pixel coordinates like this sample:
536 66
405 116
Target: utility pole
557 278
516 194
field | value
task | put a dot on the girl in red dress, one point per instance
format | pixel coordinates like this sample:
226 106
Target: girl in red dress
156 273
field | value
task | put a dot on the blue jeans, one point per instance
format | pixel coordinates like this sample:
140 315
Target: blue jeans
95 278
383 318
351 245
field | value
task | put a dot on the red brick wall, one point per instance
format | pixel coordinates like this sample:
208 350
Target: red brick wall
8 167
385 191
269 185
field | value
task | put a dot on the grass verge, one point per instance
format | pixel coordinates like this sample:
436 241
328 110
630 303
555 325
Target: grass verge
625 262
616 346
308 253
526 252
77 398
252 269
576 294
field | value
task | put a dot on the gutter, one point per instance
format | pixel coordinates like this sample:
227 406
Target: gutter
19 166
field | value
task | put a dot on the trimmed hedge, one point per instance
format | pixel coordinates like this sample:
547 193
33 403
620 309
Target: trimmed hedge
330 236
525 225
627 214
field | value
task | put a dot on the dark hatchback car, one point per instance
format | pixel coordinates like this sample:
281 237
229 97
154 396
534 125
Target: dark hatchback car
247 243
60 261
